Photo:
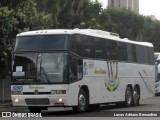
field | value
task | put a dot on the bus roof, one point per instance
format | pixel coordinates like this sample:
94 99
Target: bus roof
90 32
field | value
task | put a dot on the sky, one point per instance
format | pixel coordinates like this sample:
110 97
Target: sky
146 7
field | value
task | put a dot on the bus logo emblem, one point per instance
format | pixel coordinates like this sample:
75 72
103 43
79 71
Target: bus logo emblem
36 91
112 80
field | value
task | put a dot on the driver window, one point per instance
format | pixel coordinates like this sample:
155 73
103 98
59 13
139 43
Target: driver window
73 69
76 69
79 69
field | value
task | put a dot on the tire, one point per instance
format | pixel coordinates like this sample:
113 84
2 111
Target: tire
34 109
136 97
128 97
82 102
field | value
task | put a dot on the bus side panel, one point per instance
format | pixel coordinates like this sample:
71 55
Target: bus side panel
107 80
147 78
73 93
124 76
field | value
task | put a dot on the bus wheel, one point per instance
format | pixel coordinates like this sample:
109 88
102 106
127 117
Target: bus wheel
34 109
136 97
128 97
82 102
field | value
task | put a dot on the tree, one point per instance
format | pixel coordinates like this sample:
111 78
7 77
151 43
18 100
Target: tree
151 32
17 18
124 22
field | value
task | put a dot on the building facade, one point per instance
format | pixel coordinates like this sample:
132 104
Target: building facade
129 4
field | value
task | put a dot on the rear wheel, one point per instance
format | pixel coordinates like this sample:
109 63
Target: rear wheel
136 97
128 97
82 102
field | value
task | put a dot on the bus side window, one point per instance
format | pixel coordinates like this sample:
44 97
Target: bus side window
73 69
111 50
100 47
76 44
88 47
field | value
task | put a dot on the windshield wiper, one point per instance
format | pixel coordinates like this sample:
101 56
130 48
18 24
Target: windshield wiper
43 71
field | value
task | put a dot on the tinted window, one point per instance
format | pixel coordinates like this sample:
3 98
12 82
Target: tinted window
76 44
111 50
145 54
88 46
100 48
140 54
76 69
151 55
122 51
73 69
132 57
46 42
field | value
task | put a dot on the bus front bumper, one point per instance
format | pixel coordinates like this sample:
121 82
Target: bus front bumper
39 100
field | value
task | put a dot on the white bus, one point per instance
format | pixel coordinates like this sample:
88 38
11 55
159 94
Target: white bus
80 68
157 64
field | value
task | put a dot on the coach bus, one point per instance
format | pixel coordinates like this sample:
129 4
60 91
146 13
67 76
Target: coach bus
80 68
157 61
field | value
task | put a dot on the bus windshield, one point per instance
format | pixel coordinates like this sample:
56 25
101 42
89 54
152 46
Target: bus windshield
41 42
40 68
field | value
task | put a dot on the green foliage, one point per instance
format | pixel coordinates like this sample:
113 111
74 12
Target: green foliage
151 32
7 28
124 22
91 24
15 18
23 17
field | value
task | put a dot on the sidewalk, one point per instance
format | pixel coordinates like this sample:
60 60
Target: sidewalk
6 104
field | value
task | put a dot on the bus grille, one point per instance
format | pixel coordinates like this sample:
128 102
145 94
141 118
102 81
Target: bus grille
37 101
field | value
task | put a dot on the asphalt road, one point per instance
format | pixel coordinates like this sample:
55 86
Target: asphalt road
147 106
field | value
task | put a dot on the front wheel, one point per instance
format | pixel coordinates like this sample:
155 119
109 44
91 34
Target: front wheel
82 102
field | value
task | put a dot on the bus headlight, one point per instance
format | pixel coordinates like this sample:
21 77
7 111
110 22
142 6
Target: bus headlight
16 100
59 100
